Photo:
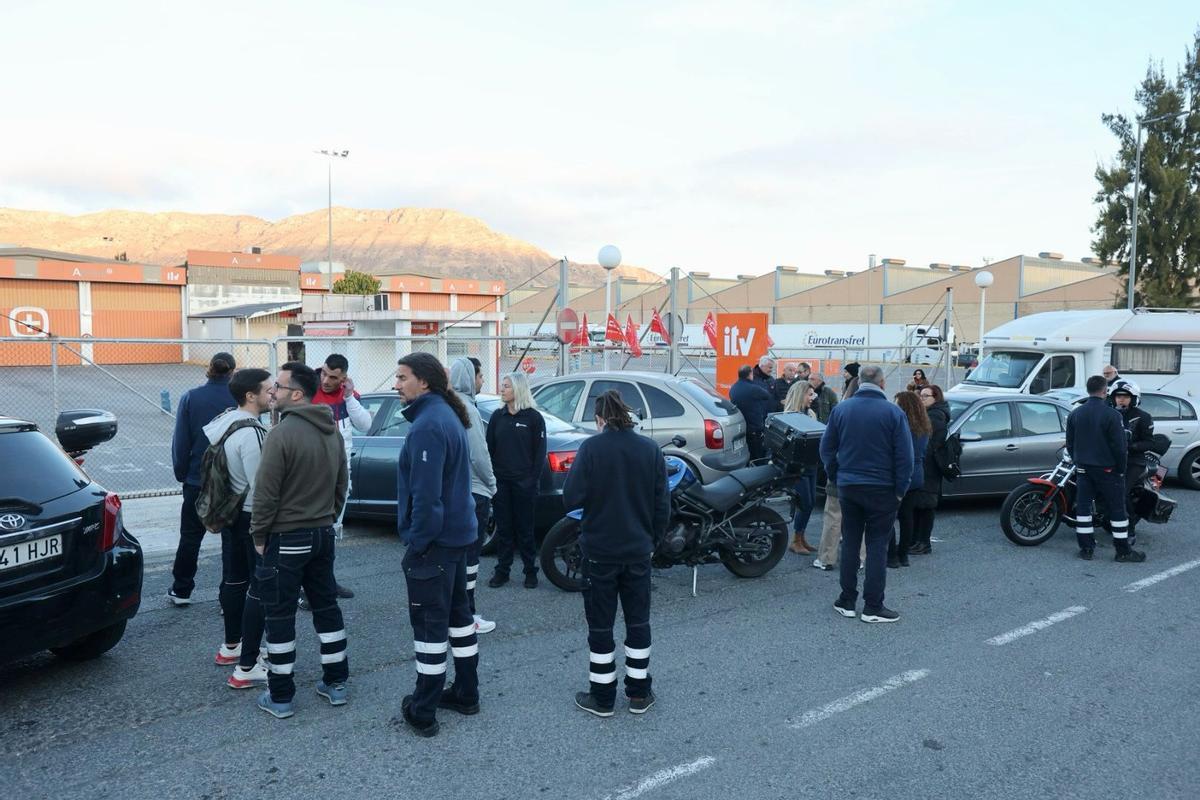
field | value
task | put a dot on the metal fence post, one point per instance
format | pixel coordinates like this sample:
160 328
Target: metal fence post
54 376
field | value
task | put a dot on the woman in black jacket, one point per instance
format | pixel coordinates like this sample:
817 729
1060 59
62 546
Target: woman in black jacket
928 496
516 440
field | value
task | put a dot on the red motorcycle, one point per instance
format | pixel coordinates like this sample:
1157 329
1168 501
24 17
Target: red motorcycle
1032 512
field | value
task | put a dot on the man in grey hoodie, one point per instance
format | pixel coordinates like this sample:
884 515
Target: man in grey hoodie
466 379
240 597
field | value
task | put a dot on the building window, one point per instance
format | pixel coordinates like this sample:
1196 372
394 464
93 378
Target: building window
1147 359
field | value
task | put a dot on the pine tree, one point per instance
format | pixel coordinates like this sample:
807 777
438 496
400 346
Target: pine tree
356 283
1168 257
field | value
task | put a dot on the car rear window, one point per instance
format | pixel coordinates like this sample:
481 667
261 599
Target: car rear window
45 473
553 423
706 398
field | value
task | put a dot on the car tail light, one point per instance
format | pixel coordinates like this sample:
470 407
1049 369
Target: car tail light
561 462
714 435
78 460
112 522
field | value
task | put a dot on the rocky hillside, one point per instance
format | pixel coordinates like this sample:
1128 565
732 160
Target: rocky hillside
424 240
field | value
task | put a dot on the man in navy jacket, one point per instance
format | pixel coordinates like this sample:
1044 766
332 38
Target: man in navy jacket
755 401
197 407
867 449
436 519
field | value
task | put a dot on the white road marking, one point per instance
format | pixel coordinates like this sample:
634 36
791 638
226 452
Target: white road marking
662 778
1037 625
1137 586
858 698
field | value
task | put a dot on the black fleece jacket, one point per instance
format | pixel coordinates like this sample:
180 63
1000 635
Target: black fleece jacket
517 444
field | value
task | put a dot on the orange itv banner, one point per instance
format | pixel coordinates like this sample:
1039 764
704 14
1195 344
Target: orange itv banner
741 340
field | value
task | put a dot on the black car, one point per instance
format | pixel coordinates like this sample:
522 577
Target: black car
374 459
70 574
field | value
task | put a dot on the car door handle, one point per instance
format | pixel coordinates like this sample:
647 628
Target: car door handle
1012 448
1179 430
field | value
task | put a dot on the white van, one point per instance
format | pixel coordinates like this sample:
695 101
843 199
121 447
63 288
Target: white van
1157 349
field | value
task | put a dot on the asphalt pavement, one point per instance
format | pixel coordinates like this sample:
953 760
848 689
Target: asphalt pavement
1013 673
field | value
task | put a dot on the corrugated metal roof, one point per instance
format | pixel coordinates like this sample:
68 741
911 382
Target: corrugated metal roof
54 255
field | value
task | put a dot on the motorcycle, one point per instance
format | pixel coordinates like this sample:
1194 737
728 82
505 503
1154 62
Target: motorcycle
1032 512
722 522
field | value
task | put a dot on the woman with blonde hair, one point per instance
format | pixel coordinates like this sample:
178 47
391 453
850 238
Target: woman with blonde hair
516 440
799 401
920 427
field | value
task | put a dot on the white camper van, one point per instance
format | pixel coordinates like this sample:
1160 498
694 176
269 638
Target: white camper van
1157 349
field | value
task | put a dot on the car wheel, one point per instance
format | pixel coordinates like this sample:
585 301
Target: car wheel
488 546
1189 470
92 645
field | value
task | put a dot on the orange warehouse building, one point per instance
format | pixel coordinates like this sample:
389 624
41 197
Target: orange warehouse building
45 293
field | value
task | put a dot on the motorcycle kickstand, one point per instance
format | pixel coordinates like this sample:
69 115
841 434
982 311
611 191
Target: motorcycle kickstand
695 571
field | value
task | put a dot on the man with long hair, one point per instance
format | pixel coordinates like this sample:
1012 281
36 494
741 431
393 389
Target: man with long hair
436 520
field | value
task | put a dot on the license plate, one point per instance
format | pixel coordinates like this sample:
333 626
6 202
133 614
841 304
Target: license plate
18 555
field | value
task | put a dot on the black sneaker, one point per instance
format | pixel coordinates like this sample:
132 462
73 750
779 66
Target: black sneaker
531 580
1086 555
640 705
343 593
451 702
588 703
498 580
1131 557
893 562
844 609
920 549
177 600
424 729
881 614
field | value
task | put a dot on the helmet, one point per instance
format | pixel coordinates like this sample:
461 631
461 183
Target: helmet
1123 386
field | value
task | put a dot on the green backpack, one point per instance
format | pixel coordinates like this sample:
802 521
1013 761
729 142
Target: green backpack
218 506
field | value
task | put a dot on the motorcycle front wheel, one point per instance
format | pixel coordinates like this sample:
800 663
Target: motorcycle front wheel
763 537
1023 519
561 557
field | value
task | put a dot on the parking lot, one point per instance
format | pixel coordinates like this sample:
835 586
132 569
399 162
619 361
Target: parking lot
1014 672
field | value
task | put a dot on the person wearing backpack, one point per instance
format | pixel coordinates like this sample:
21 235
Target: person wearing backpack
928 496
226 497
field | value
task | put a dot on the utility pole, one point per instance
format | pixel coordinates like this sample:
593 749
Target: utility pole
946 333
330 155
673 316
563 298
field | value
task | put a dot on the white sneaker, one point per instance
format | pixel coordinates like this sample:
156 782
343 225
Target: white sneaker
228 655
484 625
819 564
248 678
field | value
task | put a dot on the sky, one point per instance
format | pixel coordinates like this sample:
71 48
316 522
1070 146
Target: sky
727 137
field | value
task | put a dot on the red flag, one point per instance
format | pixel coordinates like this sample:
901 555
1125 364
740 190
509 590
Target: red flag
710 330
613 331
582 339
657 326
631 338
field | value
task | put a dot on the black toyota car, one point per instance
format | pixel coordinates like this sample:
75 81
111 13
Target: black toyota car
70 574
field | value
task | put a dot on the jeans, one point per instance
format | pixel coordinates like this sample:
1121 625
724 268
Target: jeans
292 560
603 586
1103 483
867 512
441 620
240 602
483 513
514 507
191 536
756 442
806 489
906 517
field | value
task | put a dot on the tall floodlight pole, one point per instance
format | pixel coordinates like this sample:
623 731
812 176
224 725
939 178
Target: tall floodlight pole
1137 185
609 258
330 156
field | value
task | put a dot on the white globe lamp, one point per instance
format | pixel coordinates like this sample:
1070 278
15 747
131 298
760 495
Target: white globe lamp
983 279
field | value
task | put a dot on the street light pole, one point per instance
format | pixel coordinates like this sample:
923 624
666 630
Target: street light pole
1137 183
610 259
330 156
983 280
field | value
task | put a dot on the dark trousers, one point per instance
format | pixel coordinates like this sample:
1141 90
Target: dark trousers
603 586
1133 477
441 620
806 491
296 559
483 513
756 442
923 524
191 536
241 606
513 507
1104 484
907 523
867 512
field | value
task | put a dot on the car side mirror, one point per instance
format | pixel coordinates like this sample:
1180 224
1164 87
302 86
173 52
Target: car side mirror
678 442
970 437
82 429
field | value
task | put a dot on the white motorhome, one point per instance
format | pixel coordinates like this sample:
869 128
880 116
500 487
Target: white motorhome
1057 350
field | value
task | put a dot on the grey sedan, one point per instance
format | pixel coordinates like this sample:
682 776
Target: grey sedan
1005 440
667 405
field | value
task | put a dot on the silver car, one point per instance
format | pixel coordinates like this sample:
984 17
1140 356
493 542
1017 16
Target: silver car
1005 440
667 406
